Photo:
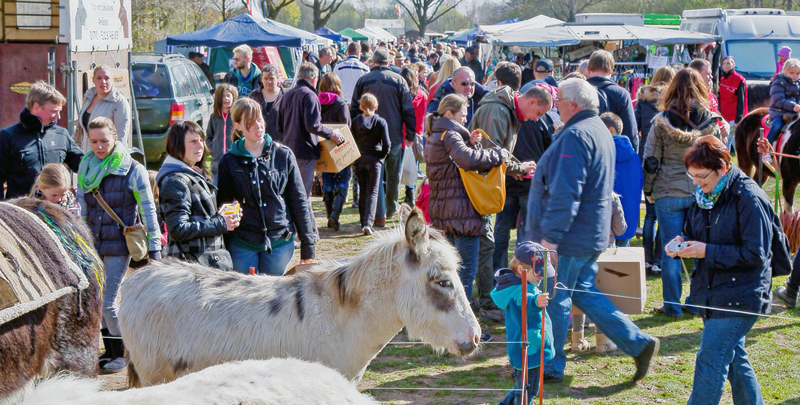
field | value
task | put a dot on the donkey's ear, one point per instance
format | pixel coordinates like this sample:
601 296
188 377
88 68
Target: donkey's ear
403 212
417 232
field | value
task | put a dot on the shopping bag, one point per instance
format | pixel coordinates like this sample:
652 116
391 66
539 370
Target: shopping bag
408 174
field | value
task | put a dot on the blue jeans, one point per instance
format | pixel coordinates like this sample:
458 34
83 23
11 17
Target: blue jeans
273 263
722 356
579 273
502 228
467 247
651 240
775 129
115 266
333 181
671 212
515 397
380 210
622 242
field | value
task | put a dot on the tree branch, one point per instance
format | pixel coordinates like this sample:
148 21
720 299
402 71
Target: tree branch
436 17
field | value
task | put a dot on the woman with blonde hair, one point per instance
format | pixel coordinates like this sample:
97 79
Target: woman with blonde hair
450 146
448 67
263 177
685 118
104 100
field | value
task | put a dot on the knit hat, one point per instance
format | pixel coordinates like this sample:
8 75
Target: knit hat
533 254
786 52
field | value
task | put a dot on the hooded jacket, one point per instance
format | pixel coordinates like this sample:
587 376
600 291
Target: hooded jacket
271 193
113 106
628 183
570 199
446 150
497 116
447 88
508 297
738 233
27 146
234 78
395 101
784 94
647 99
372 136
187 204
664 168
299 121
333 109
619 102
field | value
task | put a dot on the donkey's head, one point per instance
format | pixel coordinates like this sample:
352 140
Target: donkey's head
429 298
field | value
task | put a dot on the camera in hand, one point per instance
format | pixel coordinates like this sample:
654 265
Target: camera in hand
676 246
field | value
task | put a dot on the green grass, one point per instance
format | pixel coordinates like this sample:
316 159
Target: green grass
773 346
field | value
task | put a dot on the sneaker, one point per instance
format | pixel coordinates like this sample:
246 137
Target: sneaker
115 366
608 347
494 315
367 231
660 310
644 359
655 270
787 296
485 337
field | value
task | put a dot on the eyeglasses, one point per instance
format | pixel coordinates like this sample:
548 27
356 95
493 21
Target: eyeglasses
465 84
699 177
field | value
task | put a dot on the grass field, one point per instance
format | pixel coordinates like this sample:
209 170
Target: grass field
773 346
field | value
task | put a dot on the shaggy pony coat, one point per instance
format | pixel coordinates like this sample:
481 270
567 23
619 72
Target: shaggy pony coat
178 318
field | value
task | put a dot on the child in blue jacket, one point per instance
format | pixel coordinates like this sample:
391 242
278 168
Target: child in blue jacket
508 296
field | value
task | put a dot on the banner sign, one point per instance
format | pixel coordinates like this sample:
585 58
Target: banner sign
97 25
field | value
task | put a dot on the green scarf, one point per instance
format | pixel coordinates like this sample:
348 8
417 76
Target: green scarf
706 201
92 170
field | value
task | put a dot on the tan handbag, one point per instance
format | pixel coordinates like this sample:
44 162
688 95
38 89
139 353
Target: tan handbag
486 191
135 235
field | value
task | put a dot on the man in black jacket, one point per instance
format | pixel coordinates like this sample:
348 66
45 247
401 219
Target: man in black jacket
27 146
395 106
470 60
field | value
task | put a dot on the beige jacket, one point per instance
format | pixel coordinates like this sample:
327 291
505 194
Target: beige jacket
113 106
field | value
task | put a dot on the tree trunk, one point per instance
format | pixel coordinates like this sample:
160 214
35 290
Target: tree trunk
423 26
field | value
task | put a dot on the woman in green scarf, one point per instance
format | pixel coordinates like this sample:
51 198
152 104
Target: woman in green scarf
729 231
124 185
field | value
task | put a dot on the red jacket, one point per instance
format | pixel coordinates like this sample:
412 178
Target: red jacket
732 96
420 105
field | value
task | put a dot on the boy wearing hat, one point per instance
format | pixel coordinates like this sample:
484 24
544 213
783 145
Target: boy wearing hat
529 257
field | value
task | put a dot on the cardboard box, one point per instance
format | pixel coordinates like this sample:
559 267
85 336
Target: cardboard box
621 272
299 268
334 158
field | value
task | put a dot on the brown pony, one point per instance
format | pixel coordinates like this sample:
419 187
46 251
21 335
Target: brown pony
63 334
747 134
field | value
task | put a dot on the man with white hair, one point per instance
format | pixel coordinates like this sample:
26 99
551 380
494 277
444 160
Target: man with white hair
246 76
569 211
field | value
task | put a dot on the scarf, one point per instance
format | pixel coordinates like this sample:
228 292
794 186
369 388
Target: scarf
706 201
93 170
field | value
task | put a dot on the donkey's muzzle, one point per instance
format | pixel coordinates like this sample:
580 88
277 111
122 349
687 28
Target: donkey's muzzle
467 348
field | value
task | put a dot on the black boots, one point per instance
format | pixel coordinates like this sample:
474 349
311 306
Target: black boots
113 360
409 197
337 204
108 354
788 295
327 198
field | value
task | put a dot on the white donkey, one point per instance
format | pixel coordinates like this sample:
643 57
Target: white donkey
276 381
177 318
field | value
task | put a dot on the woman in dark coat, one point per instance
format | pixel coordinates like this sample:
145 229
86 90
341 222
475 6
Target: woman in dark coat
729 230
269 97
334 110
450 144
188 201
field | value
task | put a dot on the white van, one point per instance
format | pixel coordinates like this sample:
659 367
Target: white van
752 36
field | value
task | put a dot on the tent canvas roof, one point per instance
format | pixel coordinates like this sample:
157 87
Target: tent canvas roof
326 32
309 37
357 36
378 33
536 22
573 34
243 28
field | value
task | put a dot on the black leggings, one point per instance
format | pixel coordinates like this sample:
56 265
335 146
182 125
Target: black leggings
368 173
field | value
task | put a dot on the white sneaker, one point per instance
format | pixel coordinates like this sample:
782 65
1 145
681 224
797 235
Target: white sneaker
607 347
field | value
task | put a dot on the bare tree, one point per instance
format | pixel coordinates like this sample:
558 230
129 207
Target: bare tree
273 7
323 11
566 9
426 12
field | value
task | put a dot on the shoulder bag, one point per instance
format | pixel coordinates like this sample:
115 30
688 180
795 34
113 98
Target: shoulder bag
486 191
135 235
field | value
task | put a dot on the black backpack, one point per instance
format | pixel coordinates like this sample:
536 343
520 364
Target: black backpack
604 106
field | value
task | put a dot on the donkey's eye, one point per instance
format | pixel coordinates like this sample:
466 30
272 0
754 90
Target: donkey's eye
445 283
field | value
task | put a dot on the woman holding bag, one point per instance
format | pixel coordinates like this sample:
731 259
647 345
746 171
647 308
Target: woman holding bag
113 188
188 201
449 147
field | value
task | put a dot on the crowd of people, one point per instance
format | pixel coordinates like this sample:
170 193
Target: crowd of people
579 155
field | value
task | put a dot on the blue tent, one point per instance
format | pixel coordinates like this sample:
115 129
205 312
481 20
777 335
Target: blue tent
326 32
242 29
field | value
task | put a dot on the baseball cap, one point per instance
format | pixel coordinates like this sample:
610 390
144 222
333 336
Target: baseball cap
547 64
533 254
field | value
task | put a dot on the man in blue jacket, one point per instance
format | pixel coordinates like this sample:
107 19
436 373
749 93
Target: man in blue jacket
569 211
613 97
463 82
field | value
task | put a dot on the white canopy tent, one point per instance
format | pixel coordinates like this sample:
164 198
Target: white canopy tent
378 33
305 35
539 21
573 34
